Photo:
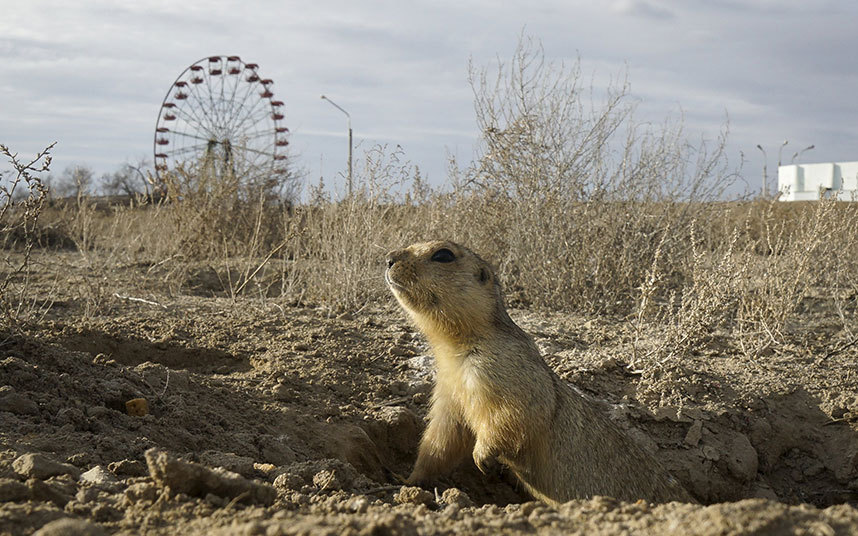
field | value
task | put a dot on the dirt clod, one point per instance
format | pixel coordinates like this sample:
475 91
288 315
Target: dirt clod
196 480
457 497
41 467
413 495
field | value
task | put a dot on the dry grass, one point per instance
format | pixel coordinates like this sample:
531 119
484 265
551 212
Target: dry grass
579 206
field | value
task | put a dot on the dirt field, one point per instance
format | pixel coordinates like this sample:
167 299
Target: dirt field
268 417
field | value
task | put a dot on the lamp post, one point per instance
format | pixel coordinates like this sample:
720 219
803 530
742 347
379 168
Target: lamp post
799 153
338 107
781 150
765 190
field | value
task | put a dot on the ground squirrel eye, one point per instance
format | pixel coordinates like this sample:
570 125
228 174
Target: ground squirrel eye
443 255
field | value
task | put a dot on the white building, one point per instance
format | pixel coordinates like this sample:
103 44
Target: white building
805 182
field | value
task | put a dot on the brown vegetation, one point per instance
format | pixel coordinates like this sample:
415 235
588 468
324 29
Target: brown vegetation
580 208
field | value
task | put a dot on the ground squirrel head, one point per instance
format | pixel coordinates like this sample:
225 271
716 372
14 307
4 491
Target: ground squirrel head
450 292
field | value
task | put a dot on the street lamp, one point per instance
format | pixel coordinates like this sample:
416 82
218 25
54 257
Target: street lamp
799 153
780 151
338 107
765 190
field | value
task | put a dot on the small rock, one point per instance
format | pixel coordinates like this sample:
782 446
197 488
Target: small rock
68 526
137 407
127 468
670 413
266 468
695 432
12 491
81 459
401 351
40 466
198 481
710 453
358 504
325 480
456 497
283 393
742 459
289 480
329 480
98 476
413 495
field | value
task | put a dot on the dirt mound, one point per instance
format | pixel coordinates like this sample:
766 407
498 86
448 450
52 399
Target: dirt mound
275 419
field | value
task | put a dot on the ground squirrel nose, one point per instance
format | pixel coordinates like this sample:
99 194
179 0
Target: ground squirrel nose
393 256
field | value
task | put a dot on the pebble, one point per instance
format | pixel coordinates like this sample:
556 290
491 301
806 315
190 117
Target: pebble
98 476
742 460
413 495
39 466
127 468
695 433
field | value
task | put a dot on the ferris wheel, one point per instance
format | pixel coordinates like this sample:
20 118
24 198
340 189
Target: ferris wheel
221 114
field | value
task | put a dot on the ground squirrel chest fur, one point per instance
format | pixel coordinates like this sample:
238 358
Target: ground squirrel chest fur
496 398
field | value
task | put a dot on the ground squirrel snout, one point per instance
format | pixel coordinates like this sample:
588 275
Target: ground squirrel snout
495 398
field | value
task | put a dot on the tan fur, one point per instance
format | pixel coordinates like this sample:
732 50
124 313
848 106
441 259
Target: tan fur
496 398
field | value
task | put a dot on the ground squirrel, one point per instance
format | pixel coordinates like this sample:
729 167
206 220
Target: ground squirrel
495 397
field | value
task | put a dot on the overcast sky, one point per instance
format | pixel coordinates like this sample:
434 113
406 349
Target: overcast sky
91 74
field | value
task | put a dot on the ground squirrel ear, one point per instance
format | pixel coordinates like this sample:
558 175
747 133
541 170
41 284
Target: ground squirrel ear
484 275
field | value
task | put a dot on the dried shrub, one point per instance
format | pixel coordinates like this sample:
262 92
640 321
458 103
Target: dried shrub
22 199
573 195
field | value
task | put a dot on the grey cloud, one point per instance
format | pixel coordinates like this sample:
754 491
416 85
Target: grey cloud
643 8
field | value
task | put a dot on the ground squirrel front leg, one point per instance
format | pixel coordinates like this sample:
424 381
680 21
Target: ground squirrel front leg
485 456
445 443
